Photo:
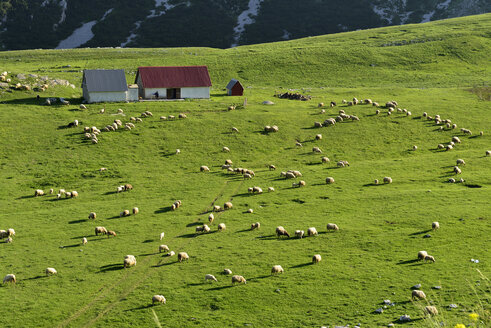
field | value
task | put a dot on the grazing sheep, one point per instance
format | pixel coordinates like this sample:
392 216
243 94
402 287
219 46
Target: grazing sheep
163 248
387 180
58 196
429 258
441 146
451 180
376 181
217 208
460 161
342 163
431 310
272 167
221 227
10 232
204 168
298 144
9 278
255 225
182 256
171 253
124 213
92 215
299 233
206 228
128 187
435 225
316 258
135 210
280 231
182 115
3 234
129 261
68 194
162 234
415 147
290 175
318 137
329 180
312 232
270 189
100 230
234 129
320 105
211 218
488 153
38 192
277 269
120 189
316 150
250 210
422 255
84 241
227 271
74 194
332 226
419 294
111 233
51 191
50 271
158 299
9 240
227 206
317 125
210 277
456 139
325 159
457 170
238 279
226 149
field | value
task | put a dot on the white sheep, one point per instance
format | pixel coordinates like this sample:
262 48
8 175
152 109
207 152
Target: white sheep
329 180
255 225
312 232
210 277
129 261
9 240
238 279
38 192
435 225
270 189
316 258
451 180
216 208
50 271
163 248
227 206
100 230
182 256
92 215
171 253
316 150
204 168
9 278
227 271
226 149
250 210
332 226
457 170
234 129
162 234
429 258
221 227
422 255
124 213
387 180
84 241
318 137
460 161
277 269
10 232
456 139
74 194
488 153
158 299
415 147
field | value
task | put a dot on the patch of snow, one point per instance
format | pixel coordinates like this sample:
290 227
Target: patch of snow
245 18
405 17
343 27
286 35
63 4
45 2
443 5
382 12
80 36
132 35
427 17
106 13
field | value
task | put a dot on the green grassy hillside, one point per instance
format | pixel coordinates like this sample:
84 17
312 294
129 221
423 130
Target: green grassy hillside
371 258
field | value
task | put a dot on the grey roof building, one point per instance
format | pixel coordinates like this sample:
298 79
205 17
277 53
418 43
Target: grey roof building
105 85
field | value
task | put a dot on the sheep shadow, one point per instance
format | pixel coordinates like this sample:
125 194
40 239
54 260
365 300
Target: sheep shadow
149 254
333 168
260 277
71 246
163 210
192 224
140 307
113 217
419 232
314 163
195 284
188 235
110 192
36 277
473 186
244 230
111 267
221 288
78 221
372 185
24 197
146 241
57 199
408 261
245 194
302 265
164 264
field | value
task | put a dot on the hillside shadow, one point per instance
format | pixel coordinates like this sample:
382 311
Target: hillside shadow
419 232
40 102
408 261
111 267
163 210
78 221
301 265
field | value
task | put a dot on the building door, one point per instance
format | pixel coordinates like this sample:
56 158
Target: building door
174 93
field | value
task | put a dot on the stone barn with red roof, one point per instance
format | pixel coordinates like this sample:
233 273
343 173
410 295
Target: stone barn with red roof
173 82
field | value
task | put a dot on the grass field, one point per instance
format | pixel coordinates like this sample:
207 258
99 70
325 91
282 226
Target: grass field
370 259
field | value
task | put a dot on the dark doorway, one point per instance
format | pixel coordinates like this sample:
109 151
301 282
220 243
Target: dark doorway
174 93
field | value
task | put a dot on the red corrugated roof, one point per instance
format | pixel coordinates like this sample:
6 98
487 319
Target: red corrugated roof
174 76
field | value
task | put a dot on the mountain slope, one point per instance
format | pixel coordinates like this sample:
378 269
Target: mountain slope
212 23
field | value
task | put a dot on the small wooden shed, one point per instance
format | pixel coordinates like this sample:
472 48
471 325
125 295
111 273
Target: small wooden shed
235 88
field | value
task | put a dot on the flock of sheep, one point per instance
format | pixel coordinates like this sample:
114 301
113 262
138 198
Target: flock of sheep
130 260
